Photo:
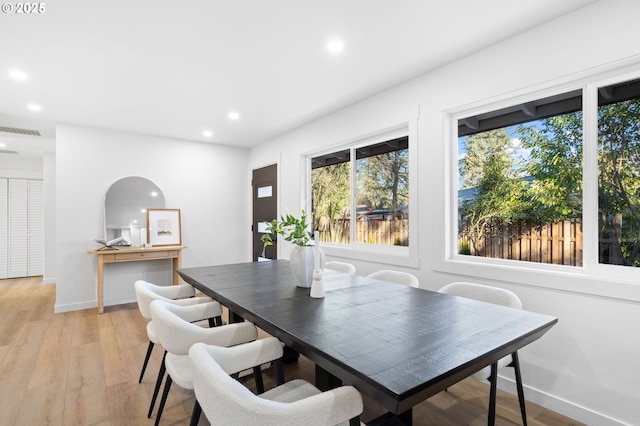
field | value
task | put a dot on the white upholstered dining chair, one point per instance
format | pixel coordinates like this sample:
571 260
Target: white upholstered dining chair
398 277
182 294
498 296
177 333
345 267
293 403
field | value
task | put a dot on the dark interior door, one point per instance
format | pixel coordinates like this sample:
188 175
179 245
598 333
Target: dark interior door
265 208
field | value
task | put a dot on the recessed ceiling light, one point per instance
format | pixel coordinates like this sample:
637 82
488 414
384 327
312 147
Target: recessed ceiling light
2 145
207 133
18 75
335 45
34 107
233 115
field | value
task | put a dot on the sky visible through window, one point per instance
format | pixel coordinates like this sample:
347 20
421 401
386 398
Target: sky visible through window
520 154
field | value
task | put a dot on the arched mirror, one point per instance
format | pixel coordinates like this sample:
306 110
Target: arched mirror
125 209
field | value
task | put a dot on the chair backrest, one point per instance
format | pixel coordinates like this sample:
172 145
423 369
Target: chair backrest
229 402
396 277
176 333
483 293
345 267
147 292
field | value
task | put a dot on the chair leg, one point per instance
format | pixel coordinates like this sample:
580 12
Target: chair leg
279 371
158 384
516 367
493 379
146 360
257 376
163 400
195 415
215 321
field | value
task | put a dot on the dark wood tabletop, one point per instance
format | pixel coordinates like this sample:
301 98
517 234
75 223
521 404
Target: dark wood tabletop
396 344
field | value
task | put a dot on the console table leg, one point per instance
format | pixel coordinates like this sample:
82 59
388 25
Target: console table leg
100 271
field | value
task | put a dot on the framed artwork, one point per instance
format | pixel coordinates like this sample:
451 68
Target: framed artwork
163 227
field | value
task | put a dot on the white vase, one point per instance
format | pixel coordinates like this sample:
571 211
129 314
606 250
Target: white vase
302 263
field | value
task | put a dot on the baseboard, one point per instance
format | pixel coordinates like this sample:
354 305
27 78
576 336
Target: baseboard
89 305
74 307
560 405
48 281
120 301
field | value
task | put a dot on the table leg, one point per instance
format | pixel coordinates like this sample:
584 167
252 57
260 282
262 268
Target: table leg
390 419
325 380
233 317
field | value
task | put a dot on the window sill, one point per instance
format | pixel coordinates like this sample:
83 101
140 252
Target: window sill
604 282
395 256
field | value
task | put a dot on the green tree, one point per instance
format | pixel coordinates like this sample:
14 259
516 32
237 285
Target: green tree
383 180
555 166
619 182
330 197
479 147
499 195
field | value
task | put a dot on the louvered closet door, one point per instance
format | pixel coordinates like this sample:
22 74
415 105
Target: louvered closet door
4 228
35 236
18 228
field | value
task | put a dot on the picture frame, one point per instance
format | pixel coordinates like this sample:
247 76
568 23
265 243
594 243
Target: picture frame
164 227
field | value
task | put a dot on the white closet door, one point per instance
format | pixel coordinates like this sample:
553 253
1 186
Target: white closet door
18 228
35 265
4 229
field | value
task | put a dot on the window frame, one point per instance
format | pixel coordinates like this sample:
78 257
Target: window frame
388 254
615 281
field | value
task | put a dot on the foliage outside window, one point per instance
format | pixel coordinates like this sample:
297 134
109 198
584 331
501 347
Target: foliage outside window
520 182
619 174
378 191
331 196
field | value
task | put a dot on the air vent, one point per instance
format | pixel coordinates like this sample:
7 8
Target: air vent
8 151
20 131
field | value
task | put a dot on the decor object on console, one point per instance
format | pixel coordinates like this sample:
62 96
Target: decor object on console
114 244
125 206
163 227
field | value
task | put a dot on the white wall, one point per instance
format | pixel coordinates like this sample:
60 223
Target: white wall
587 365
206 182
20 167
49 181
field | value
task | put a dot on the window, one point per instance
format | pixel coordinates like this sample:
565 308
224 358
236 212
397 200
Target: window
373 181
520 182
619 174
331 196
522 178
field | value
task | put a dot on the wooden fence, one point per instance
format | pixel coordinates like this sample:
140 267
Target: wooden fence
383 232
556 243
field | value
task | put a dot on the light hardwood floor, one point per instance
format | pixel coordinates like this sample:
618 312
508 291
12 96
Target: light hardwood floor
82 368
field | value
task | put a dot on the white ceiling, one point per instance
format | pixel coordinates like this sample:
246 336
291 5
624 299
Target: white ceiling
175 69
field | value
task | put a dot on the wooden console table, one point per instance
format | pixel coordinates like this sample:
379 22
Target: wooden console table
137 254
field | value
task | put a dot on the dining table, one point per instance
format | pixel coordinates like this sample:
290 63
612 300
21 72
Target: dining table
398 345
